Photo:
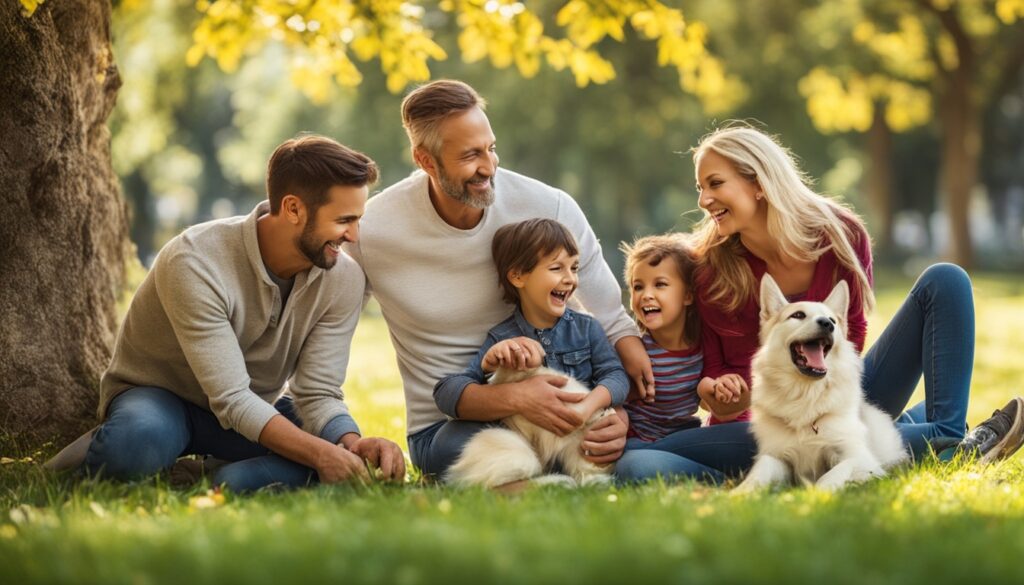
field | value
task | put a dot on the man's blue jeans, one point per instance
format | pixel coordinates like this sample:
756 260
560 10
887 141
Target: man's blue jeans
932 335
148 428
434 449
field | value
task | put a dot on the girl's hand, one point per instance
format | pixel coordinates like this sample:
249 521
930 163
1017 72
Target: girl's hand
730 388
518 353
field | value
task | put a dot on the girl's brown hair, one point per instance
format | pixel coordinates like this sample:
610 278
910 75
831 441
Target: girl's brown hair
652 250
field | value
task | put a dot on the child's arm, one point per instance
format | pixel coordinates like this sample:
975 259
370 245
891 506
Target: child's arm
598 398
449 389
518 353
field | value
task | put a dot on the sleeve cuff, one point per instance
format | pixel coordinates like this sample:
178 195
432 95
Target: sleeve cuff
618 387
337 427
448 392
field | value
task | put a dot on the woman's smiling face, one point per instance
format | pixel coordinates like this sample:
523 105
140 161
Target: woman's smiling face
728 197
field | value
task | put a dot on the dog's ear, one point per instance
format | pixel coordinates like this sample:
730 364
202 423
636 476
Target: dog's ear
772 299
839 299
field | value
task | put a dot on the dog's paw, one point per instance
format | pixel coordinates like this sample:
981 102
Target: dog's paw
555 479
595 479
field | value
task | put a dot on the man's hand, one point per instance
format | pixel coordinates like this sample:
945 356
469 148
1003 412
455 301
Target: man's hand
543 402
606 440
518 353
336 464
637 365
381 454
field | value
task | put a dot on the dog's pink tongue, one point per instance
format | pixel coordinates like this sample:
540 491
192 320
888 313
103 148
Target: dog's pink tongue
815 354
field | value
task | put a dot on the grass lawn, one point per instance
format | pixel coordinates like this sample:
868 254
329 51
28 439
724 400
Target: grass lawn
928 524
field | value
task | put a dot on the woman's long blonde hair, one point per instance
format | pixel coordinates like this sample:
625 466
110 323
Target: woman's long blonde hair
798 218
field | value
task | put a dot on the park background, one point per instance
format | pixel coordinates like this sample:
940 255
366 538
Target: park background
911 111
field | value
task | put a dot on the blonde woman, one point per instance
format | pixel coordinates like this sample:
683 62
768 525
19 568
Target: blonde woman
762 217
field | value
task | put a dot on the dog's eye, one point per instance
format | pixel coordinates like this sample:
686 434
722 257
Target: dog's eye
832 320
798 315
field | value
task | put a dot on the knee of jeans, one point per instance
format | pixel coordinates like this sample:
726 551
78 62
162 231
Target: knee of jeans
238 477
636 466
132 448
946 276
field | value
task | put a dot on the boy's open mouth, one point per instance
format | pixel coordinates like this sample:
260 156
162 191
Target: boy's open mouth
809 356
560 296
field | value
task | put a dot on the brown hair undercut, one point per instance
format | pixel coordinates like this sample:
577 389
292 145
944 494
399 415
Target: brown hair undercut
428 105
519 246
652 250
308 166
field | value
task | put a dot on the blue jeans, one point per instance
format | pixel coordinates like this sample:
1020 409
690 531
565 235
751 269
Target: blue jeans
932 335
148 428
435 448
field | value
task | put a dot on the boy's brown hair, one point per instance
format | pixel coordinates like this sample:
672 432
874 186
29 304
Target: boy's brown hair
519 246
652 250
308 166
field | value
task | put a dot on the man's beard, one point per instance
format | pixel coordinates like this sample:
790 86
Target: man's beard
315 251
461 192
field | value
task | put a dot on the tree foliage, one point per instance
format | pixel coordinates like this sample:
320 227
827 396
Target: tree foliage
326 39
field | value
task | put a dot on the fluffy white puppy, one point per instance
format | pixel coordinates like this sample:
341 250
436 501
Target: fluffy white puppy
810 418
523 450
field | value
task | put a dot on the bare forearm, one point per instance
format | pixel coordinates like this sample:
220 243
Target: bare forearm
487 402
289 441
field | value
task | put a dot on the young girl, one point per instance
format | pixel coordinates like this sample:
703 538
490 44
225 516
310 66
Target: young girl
659 275
537 261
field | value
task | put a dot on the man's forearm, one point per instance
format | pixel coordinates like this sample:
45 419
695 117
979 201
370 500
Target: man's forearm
487 402
289 441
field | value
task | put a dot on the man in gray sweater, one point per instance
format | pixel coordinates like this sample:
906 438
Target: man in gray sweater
233 312
426 252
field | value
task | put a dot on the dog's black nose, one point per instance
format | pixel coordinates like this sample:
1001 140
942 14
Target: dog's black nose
826 324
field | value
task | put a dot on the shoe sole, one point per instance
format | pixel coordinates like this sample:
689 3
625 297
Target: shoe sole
1012 441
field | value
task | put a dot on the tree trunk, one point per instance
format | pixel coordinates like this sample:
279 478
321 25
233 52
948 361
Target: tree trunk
961 144
63 233
880 180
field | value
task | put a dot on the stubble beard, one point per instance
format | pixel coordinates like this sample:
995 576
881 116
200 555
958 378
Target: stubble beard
462 194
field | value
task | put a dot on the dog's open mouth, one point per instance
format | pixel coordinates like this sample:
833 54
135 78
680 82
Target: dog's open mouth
809 356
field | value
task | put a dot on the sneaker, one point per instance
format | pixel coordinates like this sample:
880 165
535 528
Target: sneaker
998 437
71 457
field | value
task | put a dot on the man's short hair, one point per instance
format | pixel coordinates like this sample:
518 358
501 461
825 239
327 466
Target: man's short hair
519 246
308 166
427 106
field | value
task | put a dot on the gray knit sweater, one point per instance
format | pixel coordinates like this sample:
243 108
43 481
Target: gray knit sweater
206 324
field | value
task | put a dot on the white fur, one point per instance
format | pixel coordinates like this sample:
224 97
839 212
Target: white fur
813 430
523 450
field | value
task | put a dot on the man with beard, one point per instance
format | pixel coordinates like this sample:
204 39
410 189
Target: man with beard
231 312
426 252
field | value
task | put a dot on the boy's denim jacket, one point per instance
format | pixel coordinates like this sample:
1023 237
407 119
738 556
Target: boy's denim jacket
576 346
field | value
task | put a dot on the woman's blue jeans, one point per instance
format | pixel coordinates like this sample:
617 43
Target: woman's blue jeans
148 428
932 335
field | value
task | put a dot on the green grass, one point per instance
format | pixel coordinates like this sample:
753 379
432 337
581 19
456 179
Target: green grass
928 524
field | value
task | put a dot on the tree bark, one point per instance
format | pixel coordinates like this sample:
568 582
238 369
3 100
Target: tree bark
880 180
63 233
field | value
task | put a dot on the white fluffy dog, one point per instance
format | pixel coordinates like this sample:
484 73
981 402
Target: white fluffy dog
810 418
523 450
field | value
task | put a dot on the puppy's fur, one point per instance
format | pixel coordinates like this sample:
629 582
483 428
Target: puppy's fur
810 418
523 450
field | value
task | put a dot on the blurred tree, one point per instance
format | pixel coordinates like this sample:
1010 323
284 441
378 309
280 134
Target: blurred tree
71 236
890 64
64 230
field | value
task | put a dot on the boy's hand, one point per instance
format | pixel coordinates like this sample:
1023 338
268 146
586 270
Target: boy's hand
518 353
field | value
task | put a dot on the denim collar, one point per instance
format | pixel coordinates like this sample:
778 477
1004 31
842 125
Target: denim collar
529 329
